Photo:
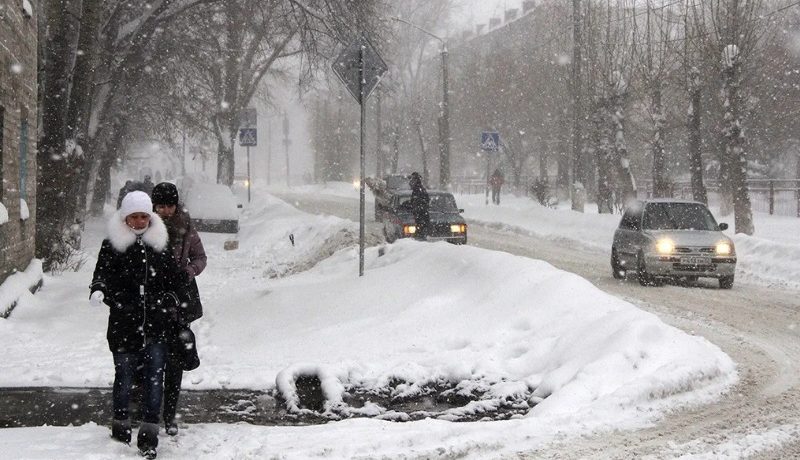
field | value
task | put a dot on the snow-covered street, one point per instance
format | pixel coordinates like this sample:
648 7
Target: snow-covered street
499 328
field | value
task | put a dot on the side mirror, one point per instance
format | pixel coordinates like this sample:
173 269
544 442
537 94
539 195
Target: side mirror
239 206
723 226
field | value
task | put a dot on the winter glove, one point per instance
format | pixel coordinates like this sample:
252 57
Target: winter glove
96 299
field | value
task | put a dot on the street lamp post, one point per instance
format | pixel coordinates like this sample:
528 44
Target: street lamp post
444 117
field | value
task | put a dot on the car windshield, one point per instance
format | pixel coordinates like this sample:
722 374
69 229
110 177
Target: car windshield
678 216
443 203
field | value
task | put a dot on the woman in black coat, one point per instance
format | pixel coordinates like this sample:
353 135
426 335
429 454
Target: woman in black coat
138 279
189 254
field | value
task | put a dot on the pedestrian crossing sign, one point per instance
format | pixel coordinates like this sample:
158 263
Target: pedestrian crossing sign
490 141
248 137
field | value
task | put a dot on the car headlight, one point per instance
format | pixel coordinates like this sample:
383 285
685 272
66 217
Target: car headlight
409 229
724 248
458 228
665 246
357 183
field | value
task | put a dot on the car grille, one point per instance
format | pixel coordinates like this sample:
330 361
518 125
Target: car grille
694 268
700 250
440 230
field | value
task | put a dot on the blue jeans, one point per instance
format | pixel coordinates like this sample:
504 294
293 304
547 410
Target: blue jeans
151 359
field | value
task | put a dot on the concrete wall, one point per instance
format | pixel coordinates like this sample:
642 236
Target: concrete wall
18 102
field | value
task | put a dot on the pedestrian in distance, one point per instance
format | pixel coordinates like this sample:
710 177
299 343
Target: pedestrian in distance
137 278
189 254
495 183
147 185
420 206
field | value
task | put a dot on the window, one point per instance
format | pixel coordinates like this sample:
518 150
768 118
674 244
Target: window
23 154
678 216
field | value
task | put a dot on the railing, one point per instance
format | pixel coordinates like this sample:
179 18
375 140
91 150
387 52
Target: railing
772 196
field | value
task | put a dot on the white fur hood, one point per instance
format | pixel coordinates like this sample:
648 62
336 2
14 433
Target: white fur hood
122 237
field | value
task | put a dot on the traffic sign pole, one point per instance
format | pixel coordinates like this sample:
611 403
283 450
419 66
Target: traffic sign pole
248 174
360 67
362 197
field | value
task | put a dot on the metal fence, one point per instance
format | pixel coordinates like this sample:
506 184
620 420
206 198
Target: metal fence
772 196
779 197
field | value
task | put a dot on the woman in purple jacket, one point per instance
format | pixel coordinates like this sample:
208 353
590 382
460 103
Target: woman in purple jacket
187 248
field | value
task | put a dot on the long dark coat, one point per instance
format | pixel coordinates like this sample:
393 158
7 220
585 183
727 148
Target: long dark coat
141 283
420 208
187 248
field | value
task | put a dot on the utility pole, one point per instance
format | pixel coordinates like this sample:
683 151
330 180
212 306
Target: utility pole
444 157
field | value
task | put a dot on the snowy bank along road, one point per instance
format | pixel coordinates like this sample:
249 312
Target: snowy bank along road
755 325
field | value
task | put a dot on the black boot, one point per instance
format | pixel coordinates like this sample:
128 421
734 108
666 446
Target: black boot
148 440
121 430
171 428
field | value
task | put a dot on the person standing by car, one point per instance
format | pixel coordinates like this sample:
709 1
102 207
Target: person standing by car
496 182
138 279
420 206
189 254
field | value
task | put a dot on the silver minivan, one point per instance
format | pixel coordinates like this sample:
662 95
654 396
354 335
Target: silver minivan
668 238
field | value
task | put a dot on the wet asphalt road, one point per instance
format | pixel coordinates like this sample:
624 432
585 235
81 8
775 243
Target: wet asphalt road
25 407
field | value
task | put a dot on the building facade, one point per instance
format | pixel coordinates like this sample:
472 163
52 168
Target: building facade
18 134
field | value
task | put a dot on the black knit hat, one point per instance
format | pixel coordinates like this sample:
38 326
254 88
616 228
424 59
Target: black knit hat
165 193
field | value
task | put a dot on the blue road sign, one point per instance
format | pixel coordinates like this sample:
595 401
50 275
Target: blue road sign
490 141
248 137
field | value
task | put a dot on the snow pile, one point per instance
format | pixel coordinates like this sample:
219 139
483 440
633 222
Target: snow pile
19 285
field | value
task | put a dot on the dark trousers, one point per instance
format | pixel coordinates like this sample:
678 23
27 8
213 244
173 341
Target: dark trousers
151 359
496 195
173 376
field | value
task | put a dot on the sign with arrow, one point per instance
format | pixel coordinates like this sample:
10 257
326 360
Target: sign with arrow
347 67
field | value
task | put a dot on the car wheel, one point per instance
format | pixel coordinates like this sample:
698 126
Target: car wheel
616 268
645 279
726 282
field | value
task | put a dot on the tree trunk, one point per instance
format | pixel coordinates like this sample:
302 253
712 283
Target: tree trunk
735 155
661 188
627 184
423 150
605 199
52 180
107 159
578 193
699 192
395 148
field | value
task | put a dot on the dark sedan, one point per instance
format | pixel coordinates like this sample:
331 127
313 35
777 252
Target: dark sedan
446 221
